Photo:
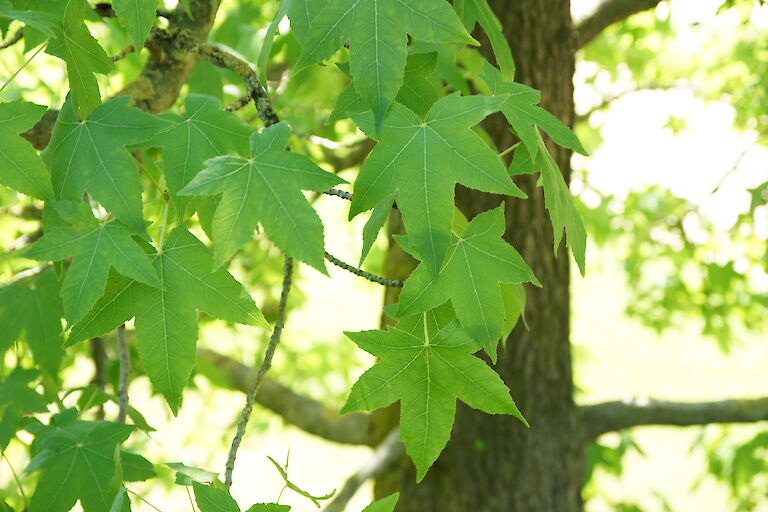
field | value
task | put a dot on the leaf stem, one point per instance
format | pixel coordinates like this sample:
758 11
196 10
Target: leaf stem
142 498
274 340
125 371
16 478
189 495
164 226
510 148
426 330
26 63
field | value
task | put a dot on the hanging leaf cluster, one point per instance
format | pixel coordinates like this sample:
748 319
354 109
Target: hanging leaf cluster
143 215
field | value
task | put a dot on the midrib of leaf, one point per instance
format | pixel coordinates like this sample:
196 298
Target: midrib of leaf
90 264
364 193
474 290
79 131
103 167
387 381
427 211
203 283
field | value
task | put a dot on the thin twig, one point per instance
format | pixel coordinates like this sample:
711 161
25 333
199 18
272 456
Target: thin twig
30 272
274 340
339 193
125 371
385 456
16 478
394 283
123 53
13 40
26 63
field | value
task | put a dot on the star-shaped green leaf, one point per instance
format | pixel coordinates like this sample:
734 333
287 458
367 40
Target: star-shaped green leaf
427 368
520 109
91 155
265 189
213 499
33 307
166 320
421 162
20 166
84 56
77 462
94 247
205 131
477 263
18 398
137 17
377 34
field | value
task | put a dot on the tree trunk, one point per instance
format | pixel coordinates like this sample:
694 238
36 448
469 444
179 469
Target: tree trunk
494 463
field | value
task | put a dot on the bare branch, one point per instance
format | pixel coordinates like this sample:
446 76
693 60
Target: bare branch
394 283
621 414
605 14
385 456
300 411
274 340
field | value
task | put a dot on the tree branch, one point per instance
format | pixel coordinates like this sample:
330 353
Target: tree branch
266 364
621 414
300 411
605 14
383 281
385 456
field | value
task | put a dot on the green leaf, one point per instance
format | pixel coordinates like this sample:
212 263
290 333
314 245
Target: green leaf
205 131
135 467
265 189
137 17
383 505
421 162
377 34
519 107
427 371
266 46
166 322
479 10
91 155
417 92
77 462
84 56
477 263
212 499
20 166
187 475
34 308
269 507
121 503
298 490
18 398
94 248
371 229
562 211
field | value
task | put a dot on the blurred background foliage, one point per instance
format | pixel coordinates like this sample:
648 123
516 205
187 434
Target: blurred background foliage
677 245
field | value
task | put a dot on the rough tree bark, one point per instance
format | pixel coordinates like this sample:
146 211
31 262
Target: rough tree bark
493 463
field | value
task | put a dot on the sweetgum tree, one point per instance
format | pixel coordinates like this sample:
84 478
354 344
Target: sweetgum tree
146 189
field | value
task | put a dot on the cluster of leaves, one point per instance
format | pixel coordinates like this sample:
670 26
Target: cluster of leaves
675 259
109 254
